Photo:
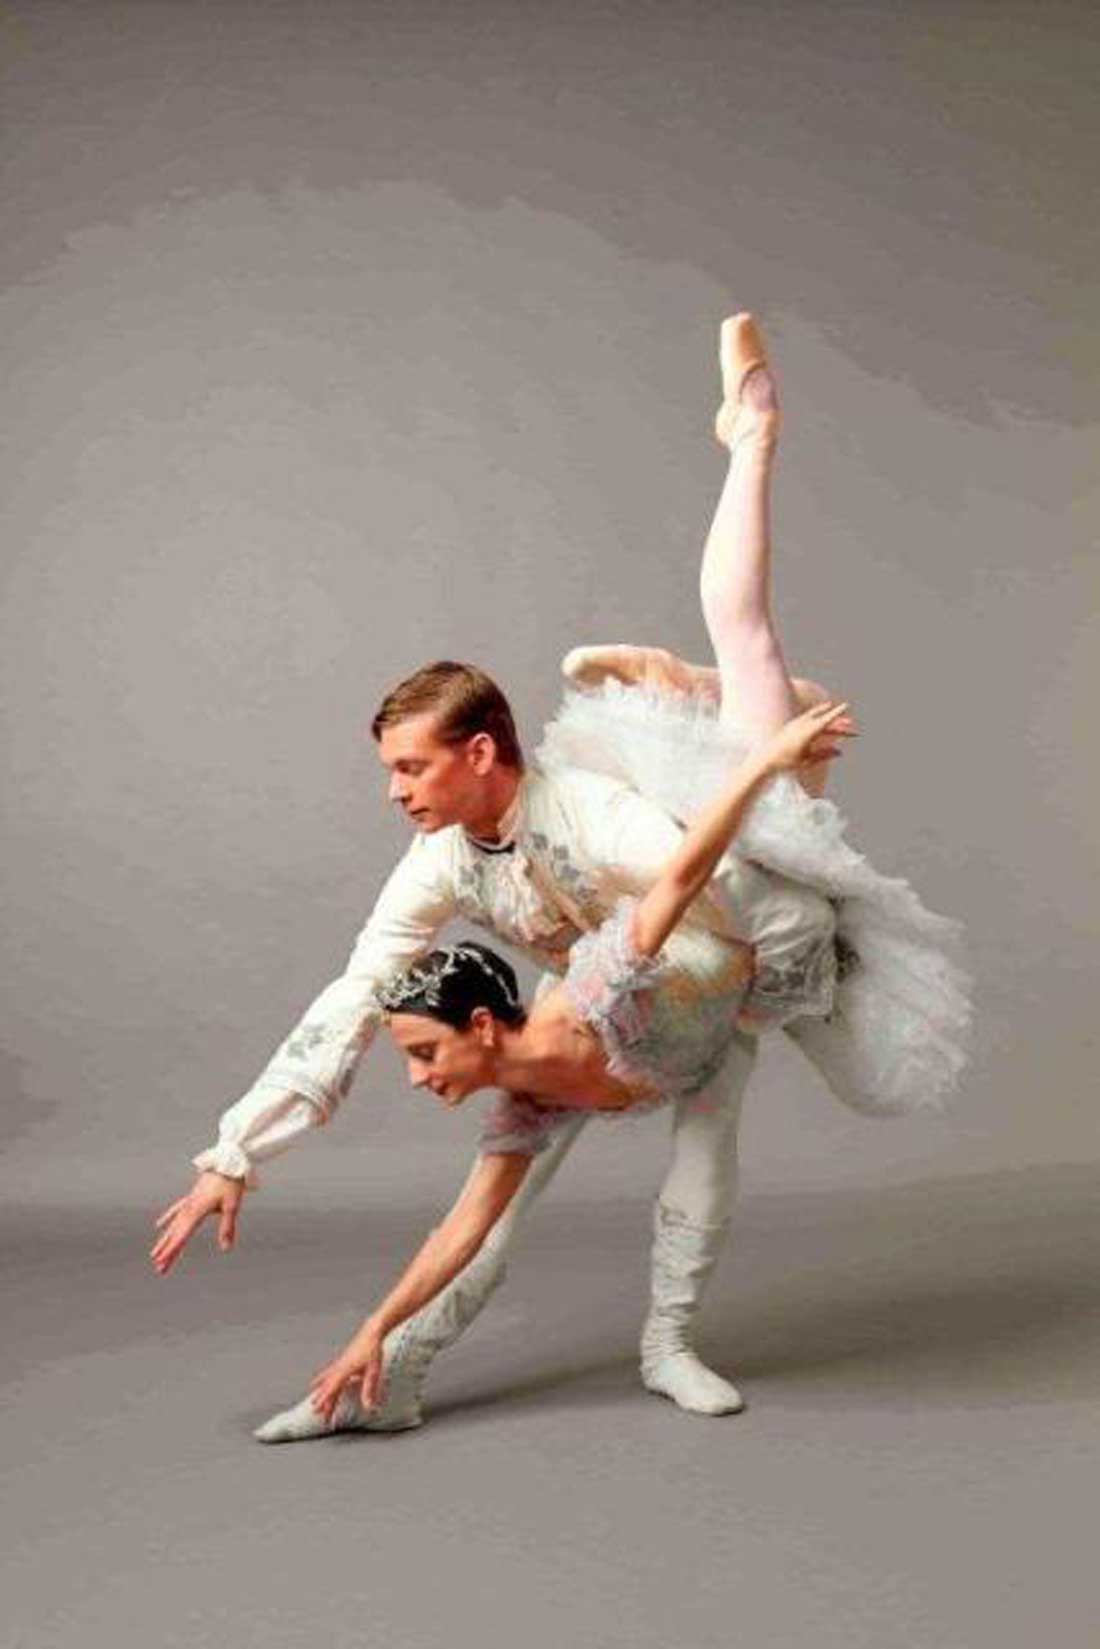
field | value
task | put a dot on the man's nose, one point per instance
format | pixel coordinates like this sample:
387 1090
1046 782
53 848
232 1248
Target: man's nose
397 789
417 1077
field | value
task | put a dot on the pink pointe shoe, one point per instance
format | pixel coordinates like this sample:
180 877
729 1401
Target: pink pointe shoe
741 351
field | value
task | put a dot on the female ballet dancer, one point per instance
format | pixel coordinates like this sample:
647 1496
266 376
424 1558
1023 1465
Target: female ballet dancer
646 1011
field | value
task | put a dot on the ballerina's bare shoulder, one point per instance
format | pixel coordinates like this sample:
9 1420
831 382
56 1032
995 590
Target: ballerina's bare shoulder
567 1060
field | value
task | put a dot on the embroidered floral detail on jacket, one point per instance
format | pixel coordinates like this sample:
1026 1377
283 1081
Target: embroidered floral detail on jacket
307 1037
801 984
500 895
566 874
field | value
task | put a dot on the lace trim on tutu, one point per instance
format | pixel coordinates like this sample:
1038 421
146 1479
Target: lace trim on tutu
673 1048
517 1122
898 1035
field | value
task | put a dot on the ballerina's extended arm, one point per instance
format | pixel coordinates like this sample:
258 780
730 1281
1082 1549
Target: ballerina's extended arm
445 1252
810 737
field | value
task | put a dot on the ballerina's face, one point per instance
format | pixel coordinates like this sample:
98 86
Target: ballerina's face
452 1063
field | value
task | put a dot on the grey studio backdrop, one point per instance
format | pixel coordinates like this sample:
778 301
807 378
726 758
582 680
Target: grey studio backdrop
342 337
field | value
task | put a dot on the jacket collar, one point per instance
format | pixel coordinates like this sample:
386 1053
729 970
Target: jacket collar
508 825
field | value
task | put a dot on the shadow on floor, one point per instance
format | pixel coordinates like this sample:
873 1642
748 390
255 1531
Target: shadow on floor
976 1288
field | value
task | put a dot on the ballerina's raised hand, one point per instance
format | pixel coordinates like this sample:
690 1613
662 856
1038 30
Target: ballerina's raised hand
811 737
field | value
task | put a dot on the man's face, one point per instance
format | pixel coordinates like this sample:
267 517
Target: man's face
452 1063
436 784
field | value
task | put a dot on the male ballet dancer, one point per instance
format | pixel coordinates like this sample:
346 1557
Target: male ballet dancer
537 859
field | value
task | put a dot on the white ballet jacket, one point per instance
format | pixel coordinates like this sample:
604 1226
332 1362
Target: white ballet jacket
578 842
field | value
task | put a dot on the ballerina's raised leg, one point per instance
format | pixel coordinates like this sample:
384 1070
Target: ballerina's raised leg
735 579
751 681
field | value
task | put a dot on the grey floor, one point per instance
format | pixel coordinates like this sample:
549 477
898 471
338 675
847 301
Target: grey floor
917 1465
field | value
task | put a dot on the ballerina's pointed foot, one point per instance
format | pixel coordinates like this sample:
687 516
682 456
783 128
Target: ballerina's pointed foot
652 667
692 1385
302 1423
588 666
750 406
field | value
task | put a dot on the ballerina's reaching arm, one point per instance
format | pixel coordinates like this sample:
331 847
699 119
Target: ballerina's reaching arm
810 737
445 1252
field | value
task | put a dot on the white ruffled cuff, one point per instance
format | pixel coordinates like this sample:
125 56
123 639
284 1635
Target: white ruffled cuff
266 1122
227 1158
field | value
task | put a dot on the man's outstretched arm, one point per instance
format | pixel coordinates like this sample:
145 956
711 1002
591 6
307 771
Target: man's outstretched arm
313 1069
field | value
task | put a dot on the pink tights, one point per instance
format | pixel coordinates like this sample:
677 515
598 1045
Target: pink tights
735 580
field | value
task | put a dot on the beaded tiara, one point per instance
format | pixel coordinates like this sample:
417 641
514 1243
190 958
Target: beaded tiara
450 982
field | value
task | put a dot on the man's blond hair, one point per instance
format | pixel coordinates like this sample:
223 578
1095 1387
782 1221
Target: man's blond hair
464 701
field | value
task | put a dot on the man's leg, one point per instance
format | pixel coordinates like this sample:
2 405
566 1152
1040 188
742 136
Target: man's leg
691 1218
412 1347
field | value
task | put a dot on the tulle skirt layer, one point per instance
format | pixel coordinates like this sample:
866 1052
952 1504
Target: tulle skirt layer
896 1036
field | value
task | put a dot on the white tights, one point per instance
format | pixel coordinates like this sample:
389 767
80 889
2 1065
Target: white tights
701 1180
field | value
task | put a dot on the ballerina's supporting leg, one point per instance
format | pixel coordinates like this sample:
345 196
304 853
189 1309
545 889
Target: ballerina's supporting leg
735 580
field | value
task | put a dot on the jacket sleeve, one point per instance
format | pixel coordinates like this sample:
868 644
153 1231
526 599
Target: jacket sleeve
625 834
630 839
311 1072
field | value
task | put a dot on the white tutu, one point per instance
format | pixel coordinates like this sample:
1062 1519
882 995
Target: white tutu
897 1037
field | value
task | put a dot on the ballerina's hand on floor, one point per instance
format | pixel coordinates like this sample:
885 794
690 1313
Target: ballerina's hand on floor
360 1363
810 737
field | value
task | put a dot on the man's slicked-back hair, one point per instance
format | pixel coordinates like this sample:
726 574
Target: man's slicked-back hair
464 701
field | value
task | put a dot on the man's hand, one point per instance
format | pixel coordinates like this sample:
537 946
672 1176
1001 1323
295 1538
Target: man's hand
211 1194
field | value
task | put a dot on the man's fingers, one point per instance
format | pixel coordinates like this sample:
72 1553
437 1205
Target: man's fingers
169 1213
162 1246
166 1259
174 1241
227 1228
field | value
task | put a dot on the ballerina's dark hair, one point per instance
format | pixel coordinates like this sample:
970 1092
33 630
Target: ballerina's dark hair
449 983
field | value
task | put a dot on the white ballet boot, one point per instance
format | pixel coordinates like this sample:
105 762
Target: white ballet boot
407 1355
684 1255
